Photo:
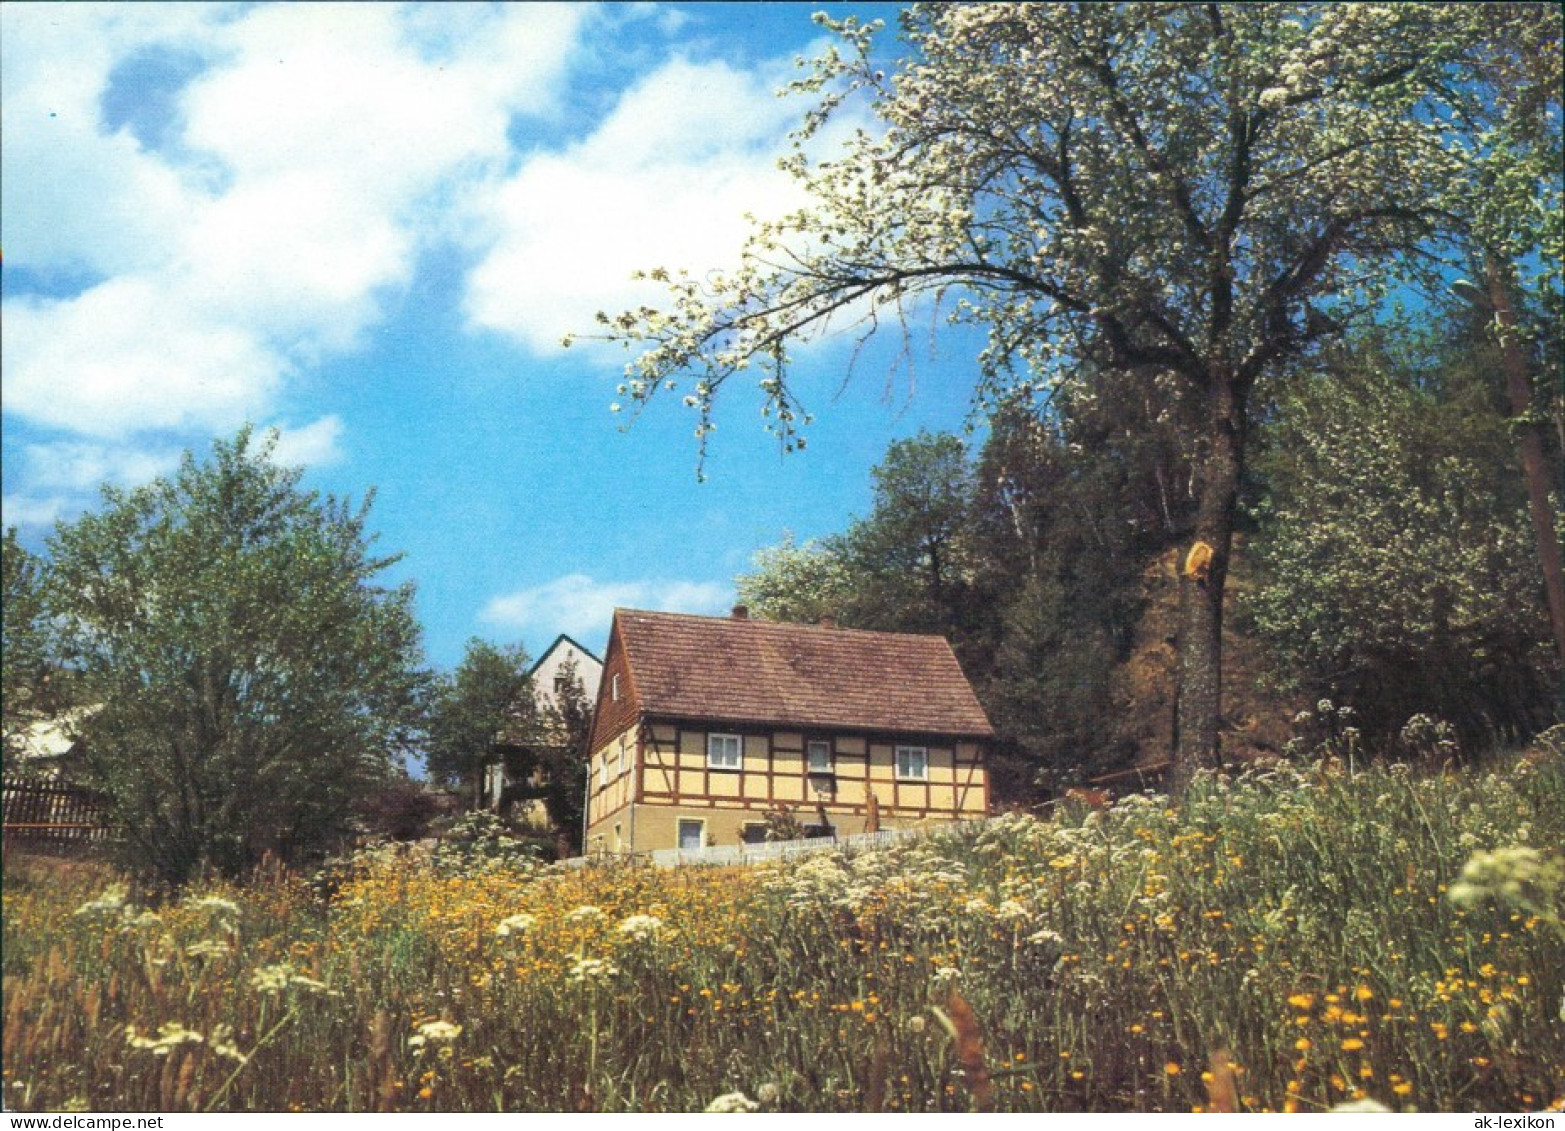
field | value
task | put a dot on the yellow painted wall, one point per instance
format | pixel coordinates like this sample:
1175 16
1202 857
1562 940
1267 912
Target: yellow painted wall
773 774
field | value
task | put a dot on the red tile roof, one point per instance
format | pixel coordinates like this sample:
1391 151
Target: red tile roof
753 671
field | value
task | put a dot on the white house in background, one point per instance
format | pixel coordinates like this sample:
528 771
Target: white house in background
46 747
551 669
548 677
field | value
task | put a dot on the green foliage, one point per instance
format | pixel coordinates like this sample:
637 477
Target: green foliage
1027 559
489 693
28 672
1511 192
480 841
1400 569
799 584
1050 695
1187 197
911 555
565 730
251 679
783 824
1068 512
906 567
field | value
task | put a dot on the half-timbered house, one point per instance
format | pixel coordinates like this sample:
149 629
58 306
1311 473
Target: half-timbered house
705 725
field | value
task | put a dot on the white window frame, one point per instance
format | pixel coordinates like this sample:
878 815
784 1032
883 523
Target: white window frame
614 687
904 763
679 827
810 748
624 756
725 759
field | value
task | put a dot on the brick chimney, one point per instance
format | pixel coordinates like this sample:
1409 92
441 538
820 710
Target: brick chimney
828 622
741 612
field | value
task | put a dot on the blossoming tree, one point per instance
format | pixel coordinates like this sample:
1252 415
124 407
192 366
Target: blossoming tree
1188 194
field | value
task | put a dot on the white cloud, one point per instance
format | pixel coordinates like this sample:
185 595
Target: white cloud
75 197
666 180
80 467
314 445
582 607
61 478
129 355
308 152
35 510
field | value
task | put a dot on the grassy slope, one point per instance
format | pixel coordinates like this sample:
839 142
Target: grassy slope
1298 921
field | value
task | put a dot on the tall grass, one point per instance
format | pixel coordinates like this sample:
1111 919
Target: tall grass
1284 941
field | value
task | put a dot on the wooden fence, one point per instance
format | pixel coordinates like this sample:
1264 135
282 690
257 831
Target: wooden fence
52 817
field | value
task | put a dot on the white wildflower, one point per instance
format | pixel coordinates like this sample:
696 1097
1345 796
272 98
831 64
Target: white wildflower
439 1032
271 979
641 928
731 1103
589 970
282 977
1360 1107
586 914
518 924
214 904
111 902
208 948
223 1045
1012 911
170 1036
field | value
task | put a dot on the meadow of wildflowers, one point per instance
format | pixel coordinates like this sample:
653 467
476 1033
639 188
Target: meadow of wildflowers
1288 940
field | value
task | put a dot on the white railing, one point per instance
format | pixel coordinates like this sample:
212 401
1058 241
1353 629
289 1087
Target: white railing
742 854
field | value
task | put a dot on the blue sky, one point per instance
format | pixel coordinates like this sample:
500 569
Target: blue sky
369 226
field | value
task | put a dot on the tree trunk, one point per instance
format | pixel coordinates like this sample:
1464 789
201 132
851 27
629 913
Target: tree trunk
1529 435
1203 575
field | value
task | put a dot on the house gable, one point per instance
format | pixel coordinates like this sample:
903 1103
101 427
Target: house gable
549 666
617 706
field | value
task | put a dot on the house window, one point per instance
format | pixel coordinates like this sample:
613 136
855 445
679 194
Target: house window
723 752
819 756
692 835
624 755
912 763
